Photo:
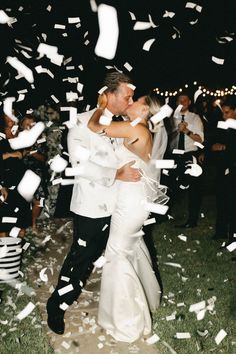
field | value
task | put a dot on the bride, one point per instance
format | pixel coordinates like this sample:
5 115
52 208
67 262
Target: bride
129 288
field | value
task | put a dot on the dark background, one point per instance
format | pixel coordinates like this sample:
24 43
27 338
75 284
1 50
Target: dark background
169 64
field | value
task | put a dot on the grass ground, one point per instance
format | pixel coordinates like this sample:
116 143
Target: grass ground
27 336
206 272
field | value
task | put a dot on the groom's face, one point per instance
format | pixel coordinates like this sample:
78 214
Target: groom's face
120 100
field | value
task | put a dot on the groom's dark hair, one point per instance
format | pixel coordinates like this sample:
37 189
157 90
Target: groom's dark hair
113 79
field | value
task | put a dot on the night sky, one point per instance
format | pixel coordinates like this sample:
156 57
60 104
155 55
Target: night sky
181 53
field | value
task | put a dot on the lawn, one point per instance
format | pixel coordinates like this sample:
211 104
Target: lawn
206 272
27 336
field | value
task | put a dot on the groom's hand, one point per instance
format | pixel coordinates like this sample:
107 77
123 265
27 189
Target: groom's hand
127 173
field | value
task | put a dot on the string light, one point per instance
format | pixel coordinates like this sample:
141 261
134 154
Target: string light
205 90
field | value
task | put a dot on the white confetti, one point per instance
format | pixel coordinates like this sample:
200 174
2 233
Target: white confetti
8 219
153 339
82 242
149 221
165 111
128 66
231 247
182 335
26 311
139 26
64 306
99 263
28 185
65 289
108 32
220 336
196 143
73 19
147 45
104 120
27 138
164 163
182 238
58 164
178 151
74 171
14 231
218 61
177 111
169 14
176 265
197 94
21 68
42 275
156 208
194 170
135 121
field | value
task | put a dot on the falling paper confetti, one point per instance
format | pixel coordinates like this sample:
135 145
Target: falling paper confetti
109 32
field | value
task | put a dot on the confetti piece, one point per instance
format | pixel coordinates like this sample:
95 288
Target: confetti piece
135 122
182 238
14 231
149 221
7 108
104 120
72 20
194 170
8 219
231 247
82 242
156 208
128 66
197 307
28 185
164 163
197 94
190 5
27 138
153 339
65 345
64 306
65 278
42 275
26 311
177 111
165 111
178 151
108 32
99 263
176 265
169 14
58 164
105 227
218 61
65 289
196 143
21 68
220 336
182 335
139 26
147 45
74 171
100 345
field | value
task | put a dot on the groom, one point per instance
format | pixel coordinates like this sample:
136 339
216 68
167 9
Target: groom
93 198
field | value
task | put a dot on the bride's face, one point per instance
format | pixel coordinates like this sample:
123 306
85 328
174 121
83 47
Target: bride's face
138 109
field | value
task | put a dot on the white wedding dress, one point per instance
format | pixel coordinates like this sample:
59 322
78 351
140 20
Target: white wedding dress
129 289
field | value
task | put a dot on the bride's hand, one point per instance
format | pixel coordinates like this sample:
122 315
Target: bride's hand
102 101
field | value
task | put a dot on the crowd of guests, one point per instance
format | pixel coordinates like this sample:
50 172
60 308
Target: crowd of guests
190 136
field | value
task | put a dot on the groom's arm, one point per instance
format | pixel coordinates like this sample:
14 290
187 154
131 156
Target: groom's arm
77 136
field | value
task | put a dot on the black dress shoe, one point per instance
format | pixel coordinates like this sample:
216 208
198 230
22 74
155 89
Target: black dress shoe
55 317
187 225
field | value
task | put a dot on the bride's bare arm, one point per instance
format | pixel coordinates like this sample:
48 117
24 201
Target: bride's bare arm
113 130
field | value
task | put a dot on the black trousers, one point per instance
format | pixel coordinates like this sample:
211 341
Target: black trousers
177 180
89 241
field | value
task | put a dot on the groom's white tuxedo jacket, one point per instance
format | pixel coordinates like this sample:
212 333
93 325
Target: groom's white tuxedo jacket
94 191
